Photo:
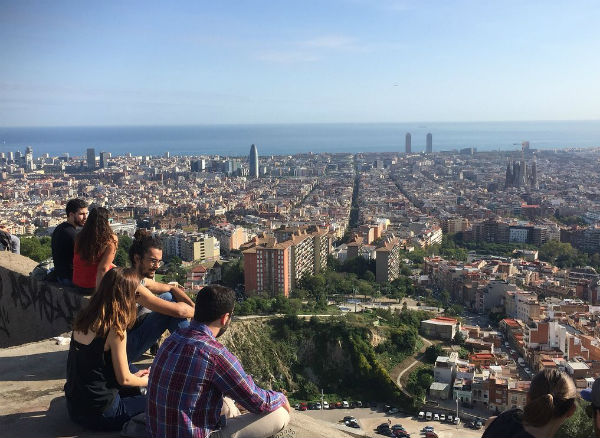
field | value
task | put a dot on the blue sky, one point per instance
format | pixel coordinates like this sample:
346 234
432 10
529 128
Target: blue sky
68 63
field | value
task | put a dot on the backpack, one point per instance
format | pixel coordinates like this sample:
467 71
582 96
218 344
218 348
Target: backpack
44 271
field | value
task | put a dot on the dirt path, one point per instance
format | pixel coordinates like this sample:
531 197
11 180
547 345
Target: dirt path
408 364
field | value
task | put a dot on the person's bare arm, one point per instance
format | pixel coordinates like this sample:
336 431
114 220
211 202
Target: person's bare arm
177 292
118 354
156 304
106 262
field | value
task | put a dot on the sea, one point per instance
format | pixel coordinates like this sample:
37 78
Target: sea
287 139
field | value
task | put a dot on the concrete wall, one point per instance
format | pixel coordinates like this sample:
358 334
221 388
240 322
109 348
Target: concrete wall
32 310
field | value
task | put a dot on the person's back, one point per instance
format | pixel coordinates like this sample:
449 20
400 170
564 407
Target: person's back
190 355
63 242
192 372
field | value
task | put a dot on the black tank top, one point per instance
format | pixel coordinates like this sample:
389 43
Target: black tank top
91 383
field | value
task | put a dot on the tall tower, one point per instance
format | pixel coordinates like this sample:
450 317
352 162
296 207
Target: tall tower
253 161
429 144
407 147
104 156
91 158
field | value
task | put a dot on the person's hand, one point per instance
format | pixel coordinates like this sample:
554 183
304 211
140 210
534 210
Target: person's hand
142 373
287 406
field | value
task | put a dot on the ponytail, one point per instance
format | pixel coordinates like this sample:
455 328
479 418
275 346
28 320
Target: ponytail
551 395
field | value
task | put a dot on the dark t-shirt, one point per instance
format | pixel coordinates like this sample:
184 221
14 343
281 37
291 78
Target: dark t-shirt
63 244
507 424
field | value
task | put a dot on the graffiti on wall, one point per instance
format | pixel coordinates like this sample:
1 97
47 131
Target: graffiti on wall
30 308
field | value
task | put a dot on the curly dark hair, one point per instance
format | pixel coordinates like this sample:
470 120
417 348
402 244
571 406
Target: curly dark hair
142 241
95 235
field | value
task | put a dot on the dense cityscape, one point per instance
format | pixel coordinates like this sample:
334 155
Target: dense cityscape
501 247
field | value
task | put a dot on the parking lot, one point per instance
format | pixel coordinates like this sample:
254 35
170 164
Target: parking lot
369 419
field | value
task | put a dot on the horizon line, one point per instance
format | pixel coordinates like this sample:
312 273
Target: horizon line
292 123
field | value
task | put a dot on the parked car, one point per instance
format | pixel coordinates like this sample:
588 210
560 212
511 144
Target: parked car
436 417
297 406
478 425
457 420
421 415
428 429
352 423
442 417
383 427
325 404
393 410
338 405
397 427
303 406
428 416
431 435
401 433
348 418
356 404
450 419
345 404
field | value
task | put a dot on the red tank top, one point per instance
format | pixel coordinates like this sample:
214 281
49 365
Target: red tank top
84 273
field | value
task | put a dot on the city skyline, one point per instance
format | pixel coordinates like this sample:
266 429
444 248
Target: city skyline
342 61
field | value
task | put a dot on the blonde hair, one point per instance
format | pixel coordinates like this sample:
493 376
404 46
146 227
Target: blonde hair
551 395
112 306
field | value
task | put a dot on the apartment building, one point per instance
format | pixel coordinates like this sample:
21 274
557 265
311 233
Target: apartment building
387 267
191 247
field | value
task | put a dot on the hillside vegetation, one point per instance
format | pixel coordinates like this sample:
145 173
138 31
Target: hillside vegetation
337 354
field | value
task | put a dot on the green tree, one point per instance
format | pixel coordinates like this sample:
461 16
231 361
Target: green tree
579 425
432 352
233 273
36 248
121 258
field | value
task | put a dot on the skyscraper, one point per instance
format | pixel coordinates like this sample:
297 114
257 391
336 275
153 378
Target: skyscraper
407 147
253 161
104 156
429 144
91 158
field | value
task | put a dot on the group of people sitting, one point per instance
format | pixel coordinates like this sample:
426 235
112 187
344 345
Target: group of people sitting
195 386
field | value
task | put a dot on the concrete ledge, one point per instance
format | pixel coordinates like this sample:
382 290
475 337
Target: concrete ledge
32 310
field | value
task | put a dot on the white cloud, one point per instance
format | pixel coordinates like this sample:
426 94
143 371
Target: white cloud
331 42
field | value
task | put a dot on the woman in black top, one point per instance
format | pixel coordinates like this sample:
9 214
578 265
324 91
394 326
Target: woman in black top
550 401
97 366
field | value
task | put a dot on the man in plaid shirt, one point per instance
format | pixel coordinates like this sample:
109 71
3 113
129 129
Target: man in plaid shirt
191 374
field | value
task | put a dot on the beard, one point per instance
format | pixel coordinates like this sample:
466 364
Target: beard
223 329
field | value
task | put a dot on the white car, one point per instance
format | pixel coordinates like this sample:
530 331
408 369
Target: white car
436 417
457 420
421 415
325 404
345 404
428 416
443 417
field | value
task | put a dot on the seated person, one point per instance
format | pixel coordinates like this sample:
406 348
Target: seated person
97 365
63 240
95 249
168 305
193 371
8 241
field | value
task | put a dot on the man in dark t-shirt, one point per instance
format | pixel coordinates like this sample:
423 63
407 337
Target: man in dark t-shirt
63 240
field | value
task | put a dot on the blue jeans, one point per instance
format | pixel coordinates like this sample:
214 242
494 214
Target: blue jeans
65 281
113 418
149 328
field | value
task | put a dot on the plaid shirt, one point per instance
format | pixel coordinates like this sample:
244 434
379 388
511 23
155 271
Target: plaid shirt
189 376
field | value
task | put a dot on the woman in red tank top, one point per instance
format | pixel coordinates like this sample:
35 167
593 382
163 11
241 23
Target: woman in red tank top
95 249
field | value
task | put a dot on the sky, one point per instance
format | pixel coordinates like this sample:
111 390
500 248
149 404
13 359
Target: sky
189 62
